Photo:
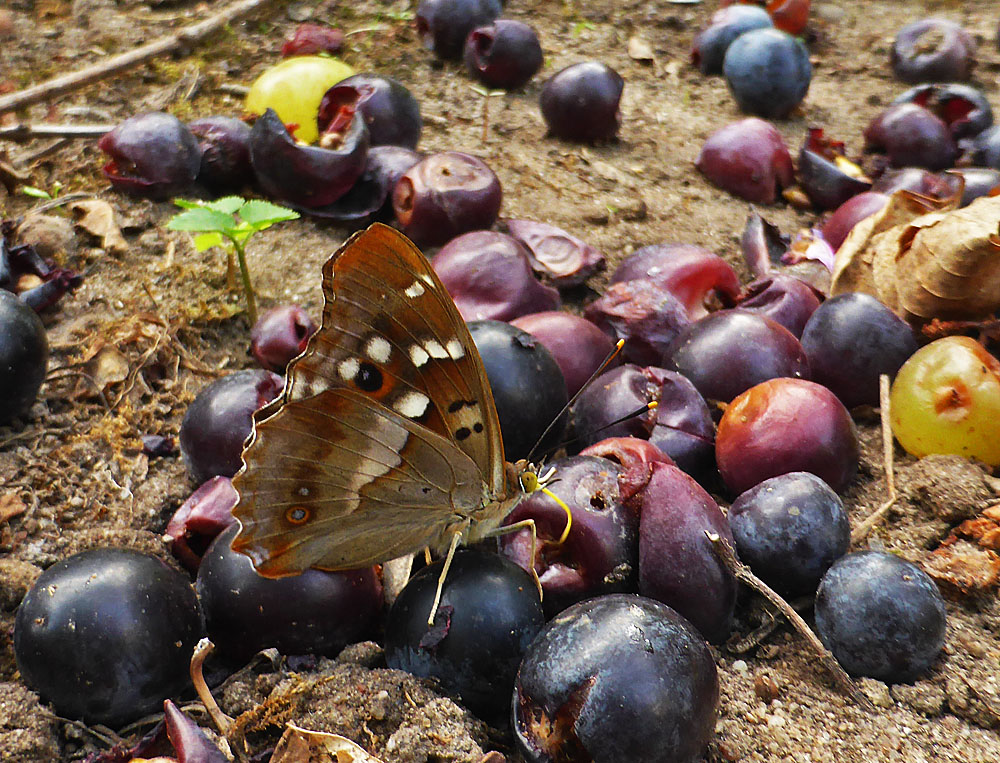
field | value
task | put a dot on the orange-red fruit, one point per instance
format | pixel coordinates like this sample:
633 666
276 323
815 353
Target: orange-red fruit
786 425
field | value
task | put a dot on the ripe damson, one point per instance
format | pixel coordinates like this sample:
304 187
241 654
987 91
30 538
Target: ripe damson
280 334
580 102
749 159
24 356
852 339
489 613
107 634
218 421
789 529
152 154
528 387
504 54
616 678
577 345
316 612
768 72
881 616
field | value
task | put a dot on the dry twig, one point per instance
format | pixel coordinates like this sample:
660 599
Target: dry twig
742 573
173 42
862 530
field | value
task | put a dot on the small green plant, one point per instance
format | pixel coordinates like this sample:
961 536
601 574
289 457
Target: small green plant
41 193
230 222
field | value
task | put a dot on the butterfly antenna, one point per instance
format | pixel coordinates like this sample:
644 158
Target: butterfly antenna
650 406
600 370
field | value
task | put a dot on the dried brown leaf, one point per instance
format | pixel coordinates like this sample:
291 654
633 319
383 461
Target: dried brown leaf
853 267
298 745
944 264
97 218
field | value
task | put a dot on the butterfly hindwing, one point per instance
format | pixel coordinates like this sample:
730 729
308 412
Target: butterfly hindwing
335 481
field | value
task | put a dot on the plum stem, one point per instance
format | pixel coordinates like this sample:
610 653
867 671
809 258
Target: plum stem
222 721
741 572
862 530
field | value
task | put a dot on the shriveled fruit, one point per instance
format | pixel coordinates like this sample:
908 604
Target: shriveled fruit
946 399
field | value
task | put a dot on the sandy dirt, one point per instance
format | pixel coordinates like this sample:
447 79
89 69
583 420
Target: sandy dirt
153 324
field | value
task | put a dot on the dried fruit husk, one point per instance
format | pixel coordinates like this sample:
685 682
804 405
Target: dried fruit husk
925 259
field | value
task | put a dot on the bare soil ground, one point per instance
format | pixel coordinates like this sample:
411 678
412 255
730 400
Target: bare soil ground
153 324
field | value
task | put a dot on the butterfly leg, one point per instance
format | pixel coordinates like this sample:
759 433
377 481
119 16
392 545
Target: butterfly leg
528 524
455 540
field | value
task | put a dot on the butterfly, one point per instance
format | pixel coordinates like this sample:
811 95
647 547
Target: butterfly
385 440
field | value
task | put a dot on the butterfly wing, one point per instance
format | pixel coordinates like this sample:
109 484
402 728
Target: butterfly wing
385 307
393 367
336 481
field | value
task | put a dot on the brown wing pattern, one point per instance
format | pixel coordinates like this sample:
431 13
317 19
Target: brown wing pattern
385 306
336 481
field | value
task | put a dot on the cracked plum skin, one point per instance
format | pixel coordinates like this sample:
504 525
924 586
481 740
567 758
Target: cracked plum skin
616 678
600 554
881 616
786 425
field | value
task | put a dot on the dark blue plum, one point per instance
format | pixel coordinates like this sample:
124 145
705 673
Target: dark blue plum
850 340
616 678
790 529
681 425
444 25
505 54
710 44
225 153
107 634
528 387
768 72
24 356
217 422
390 112
317 612
985 148
489 613
580 102
881 616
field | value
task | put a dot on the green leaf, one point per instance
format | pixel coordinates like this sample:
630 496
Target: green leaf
205 241
263 214
227 204
202 220
38 193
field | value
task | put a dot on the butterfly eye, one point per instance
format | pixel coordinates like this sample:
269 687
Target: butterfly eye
297 515
529 482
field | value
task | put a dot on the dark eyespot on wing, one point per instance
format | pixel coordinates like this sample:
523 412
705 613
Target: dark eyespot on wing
368 378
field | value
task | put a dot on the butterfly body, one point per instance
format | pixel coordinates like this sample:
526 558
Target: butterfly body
385 440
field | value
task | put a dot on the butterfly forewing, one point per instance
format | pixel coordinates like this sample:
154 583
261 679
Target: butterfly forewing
385 307
335 481
386 438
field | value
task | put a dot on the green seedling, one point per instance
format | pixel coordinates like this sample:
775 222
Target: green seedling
41 193
229 222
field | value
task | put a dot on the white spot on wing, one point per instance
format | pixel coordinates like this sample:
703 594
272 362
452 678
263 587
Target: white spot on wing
378 349
419 355
412 405
414 290
303 491
435 349
348 368
455 350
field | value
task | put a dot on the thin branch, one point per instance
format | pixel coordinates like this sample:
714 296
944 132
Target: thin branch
24 132
742 573
862 530
179 40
